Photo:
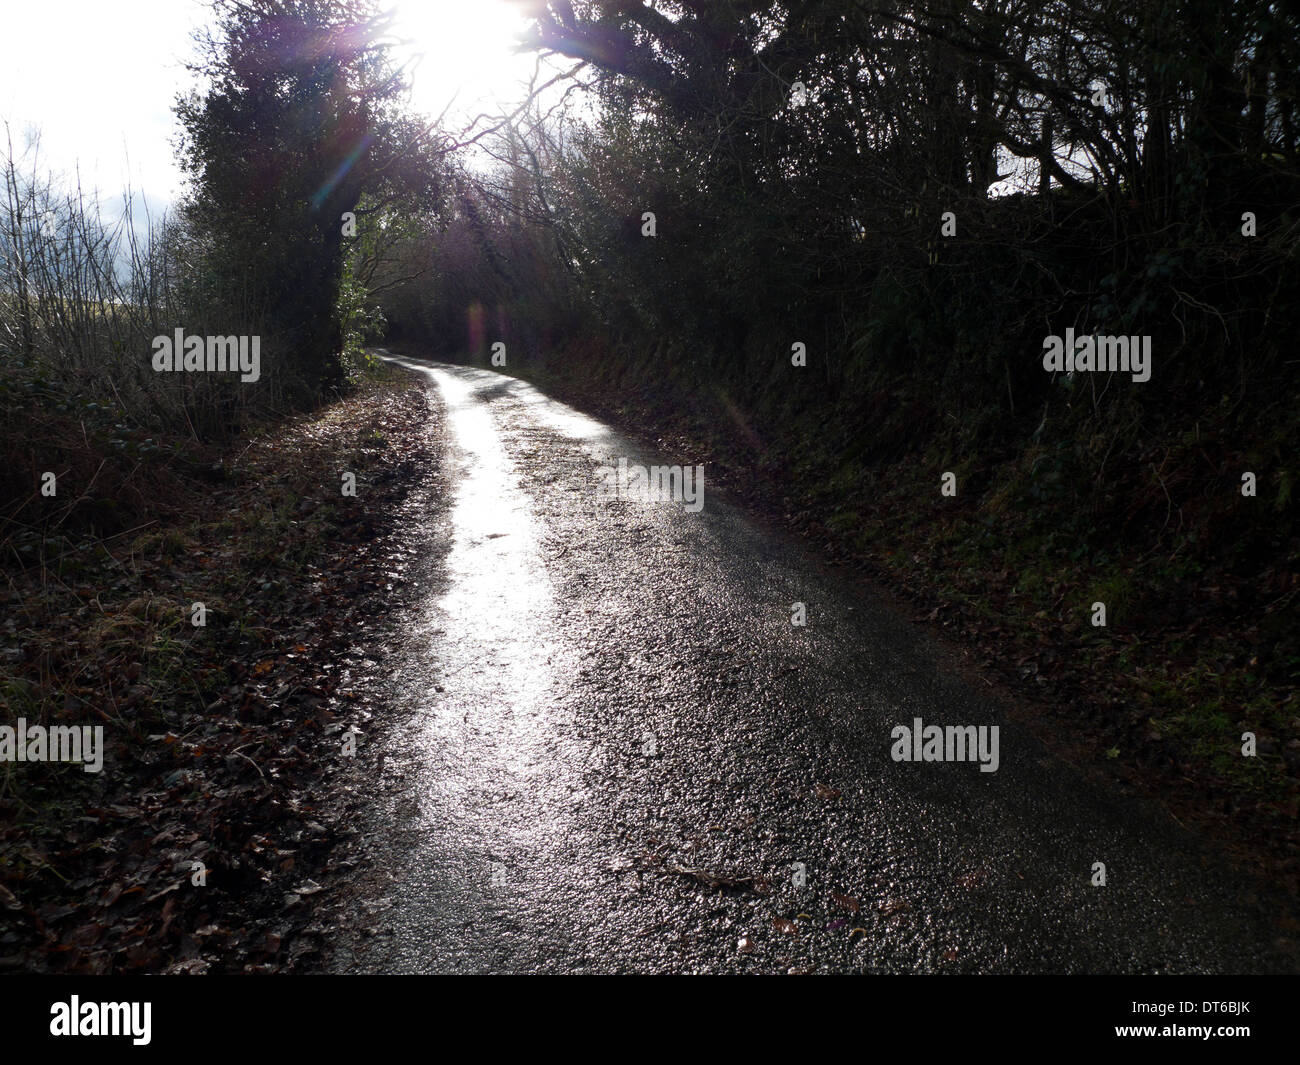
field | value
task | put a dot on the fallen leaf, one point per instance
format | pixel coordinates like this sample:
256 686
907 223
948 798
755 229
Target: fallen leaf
846 902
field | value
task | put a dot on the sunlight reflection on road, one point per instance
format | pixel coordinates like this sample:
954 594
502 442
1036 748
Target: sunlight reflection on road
499 596
489 735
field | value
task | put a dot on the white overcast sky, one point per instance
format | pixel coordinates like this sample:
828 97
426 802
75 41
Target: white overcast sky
98 77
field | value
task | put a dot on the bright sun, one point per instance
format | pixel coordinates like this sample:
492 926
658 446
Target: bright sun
465 51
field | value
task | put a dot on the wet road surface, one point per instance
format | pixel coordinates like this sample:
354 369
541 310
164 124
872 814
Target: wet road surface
608 749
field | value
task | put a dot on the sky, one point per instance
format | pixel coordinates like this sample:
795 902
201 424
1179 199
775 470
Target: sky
98 78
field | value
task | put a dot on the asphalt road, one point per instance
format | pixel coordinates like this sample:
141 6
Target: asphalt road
609 749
